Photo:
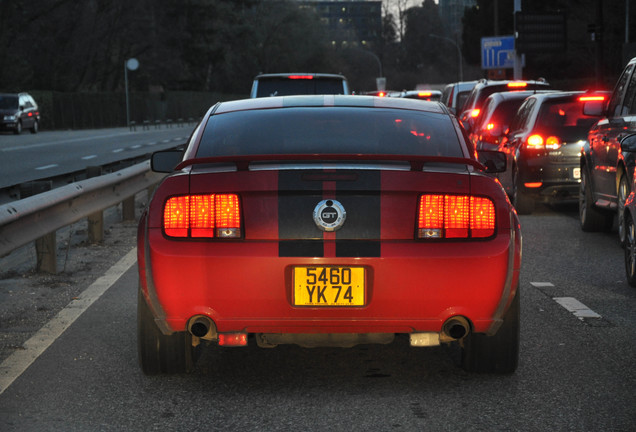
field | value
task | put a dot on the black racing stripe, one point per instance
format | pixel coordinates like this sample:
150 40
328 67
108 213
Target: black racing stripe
360 234
299 236
357 248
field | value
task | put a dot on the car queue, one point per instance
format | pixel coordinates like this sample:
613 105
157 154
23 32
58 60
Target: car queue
576 145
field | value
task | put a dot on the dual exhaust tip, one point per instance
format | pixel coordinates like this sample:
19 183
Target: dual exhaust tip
454 329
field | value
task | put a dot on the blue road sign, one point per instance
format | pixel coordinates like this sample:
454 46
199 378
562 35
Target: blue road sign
498 52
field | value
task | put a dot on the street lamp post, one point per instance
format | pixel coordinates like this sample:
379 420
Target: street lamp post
459 54
130 64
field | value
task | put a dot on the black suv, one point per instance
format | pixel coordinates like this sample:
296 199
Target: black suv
485 88
607 167
18 111
285 84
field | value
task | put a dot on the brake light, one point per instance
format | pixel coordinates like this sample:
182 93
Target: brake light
536 142
424 94
475 112
591 98
455 216
517 84
381 94
308 77
202 216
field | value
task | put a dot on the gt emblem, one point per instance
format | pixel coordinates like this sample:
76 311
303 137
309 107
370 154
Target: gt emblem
329 215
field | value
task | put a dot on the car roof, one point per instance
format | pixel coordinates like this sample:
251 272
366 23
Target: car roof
519 94
291 74
328 101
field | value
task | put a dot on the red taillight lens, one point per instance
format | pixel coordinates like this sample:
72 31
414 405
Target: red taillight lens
228 216
475 112
176 216
307 77
203 216
536 142
455 216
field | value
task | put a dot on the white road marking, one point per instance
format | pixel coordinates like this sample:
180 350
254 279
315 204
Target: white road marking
542 284
119 150
89 157
576 307
136 146
19 361
45 167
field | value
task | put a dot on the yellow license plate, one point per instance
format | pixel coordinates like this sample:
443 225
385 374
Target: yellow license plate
329 286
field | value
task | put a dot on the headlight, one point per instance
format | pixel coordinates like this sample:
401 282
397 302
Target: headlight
9 118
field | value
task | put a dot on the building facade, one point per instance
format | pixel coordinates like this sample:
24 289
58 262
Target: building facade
349 23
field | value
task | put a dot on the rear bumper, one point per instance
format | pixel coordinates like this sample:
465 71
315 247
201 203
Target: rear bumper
412 287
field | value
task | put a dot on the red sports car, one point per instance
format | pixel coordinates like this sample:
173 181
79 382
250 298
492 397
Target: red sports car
328 221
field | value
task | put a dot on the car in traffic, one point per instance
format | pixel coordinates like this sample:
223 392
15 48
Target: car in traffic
19 111
285 84
629 220
485 88
494 118
544 147
427 95
330 221
606 167
454 95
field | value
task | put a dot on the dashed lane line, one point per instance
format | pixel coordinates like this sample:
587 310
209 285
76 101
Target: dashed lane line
14 365
571 304
576 307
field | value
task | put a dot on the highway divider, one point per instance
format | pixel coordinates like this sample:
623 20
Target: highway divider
38 217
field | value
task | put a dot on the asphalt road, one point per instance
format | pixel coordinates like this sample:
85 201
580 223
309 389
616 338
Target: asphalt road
575 374
29 157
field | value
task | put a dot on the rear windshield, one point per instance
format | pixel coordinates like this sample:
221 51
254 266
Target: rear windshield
340 130
286 87
504 113
565 119
8 102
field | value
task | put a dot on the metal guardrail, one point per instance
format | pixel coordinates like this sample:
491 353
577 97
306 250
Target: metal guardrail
38 216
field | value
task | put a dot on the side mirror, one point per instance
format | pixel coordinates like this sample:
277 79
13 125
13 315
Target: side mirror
494 161
166 160
628 144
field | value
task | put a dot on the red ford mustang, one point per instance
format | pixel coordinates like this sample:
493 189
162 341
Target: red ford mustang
328 221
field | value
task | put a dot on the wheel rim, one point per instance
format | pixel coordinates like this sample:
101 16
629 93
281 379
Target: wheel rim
630 249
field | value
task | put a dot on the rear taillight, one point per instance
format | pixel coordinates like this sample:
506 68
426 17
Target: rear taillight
537 142
301 77
202 216
475 112
455 216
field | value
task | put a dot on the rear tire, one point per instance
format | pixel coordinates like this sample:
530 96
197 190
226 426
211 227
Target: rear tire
159 353
630 251
498 353
591 217
18 128
35 128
